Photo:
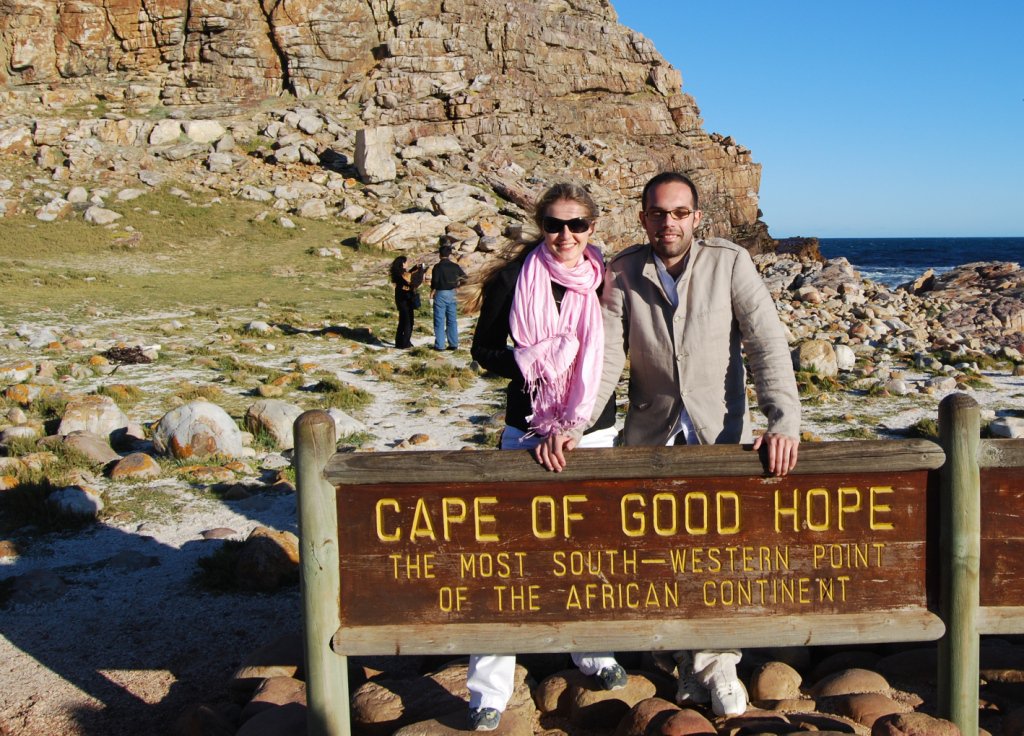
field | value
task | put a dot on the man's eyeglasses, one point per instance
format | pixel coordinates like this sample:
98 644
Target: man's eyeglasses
576 225
680 213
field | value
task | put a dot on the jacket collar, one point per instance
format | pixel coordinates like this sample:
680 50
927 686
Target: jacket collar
650 269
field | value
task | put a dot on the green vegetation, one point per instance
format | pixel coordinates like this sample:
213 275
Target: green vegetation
435 371
124 395
27 504
927 428
352 439
217 571
183 252
858 433
810 383
341 395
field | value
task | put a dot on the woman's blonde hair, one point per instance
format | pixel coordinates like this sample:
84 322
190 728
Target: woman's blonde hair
471 295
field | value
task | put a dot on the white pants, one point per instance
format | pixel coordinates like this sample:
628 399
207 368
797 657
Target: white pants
491 677
705 662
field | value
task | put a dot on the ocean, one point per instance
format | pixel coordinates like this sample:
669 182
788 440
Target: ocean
895 261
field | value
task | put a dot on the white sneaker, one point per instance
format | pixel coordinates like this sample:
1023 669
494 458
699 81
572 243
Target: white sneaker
728 696
718 674
689 689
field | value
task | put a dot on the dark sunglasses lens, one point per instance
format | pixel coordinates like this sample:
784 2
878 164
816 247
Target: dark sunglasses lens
554 225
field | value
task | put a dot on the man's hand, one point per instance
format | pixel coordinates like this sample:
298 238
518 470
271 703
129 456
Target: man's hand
551 452
782 452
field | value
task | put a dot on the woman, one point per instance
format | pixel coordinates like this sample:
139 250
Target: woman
546 300
406 298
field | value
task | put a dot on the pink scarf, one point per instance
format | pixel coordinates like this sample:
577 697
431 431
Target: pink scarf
560 352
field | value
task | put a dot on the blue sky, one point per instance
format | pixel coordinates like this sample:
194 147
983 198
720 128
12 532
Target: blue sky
901 118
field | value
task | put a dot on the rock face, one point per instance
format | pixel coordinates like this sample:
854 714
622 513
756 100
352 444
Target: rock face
565 78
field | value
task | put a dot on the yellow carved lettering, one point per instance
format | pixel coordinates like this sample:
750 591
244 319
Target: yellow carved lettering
382 535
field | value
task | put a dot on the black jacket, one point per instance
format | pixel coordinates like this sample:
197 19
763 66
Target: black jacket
492 351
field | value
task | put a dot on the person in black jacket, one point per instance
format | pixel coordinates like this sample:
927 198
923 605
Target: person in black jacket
545 300
406 297
445 277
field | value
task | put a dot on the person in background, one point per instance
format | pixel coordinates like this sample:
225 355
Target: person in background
545 298
445 277
680 309
407 298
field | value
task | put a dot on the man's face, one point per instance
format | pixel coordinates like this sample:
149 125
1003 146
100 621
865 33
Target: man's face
670 237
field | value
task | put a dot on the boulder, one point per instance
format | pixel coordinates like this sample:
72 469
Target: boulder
268 560
93 446
645 715
406 231
846 359
135 466
343 423
375 155
165 132
274 418
282 657
853 680
816 355
775 681
16 371
913 724
273 692
197 429
202 131
77 500
9 435
96 414
1009 427
97 215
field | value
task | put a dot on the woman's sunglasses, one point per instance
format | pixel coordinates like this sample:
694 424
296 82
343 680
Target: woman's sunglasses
576 225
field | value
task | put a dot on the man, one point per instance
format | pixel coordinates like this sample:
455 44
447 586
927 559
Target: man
681 308
445 278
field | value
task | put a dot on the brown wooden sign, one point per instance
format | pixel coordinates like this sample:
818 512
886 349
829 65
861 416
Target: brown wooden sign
515 552
1002 537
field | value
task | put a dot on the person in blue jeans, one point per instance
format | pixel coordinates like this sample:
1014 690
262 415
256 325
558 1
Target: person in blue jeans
445 278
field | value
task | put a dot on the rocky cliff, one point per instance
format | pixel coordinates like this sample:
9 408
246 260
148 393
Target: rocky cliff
557 87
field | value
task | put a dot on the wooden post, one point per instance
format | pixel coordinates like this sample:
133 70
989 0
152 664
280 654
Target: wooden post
960 549
326 672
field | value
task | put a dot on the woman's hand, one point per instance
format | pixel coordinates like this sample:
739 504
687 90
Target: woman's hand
551 452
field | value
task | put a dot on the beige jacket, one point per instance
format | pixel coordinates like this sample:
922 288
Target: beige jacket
692 354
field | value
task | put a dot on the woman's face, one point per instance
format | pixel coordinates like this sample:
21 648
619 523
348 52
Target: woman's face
564 216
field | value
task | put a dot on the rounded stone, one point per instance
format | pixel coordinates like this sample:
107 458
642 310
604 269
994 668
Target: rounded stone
196 429
136 465
775 681
850 681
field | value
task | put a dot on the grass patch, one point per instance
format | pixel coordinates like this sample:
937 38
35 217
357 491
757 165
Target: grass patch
27 504
352 439
340 395
488 439
926 428
810 383
211 252
439 373
858 433
383 369
124 395
217 571
976 381
191 392
51 406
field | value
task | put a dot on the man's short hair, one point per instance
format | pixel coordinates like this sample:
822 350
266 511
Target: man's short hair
445 250
666 177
